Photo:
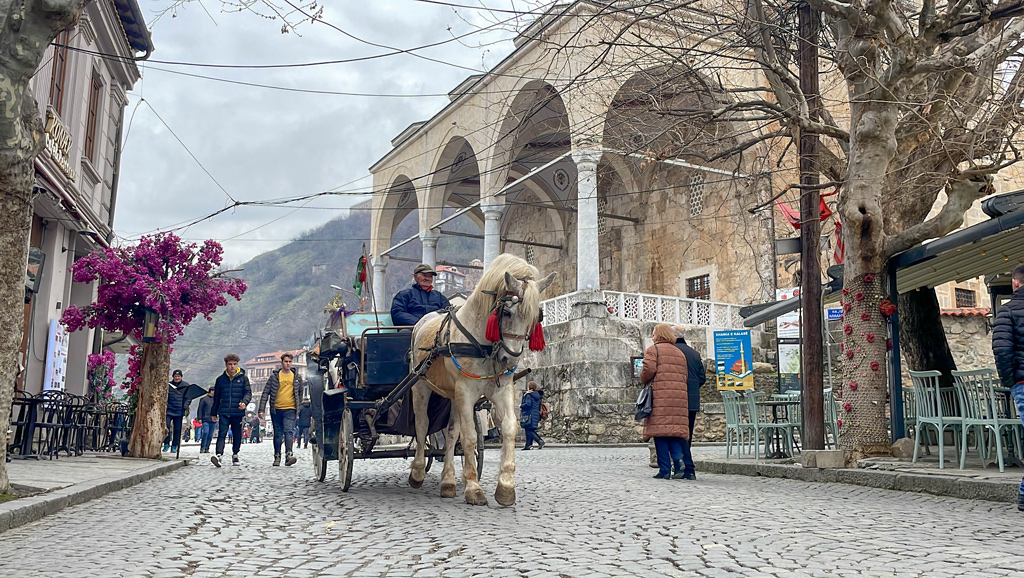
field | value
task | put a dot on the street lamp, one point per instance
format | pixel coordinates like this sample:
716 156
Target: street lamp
149 323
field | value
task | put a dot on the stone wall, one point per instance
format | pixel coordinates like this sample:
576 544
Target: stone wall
970 340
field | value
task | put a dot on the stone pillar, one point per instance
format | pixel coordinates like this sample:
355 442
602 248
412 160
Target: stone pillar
492 233
380 267
429 240
588 263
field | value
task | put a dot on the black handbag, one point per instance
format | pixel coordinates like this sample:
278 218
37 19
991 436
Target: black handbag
645 401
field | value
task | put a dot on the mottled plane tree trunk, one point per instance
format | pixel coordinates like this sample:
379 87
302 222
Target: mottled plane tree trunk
26 28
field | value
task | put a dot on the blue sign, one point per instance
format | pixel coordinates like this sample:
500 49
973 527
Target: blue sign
835 314
734 360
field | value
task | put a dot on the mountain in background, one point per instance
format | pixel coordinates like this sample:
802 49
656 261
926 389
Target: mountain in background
289 286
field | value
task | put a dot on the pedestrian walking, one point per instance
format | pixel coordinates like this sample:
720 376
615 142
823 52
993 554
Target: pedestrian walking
197 425
305 421
695 378
529 414
204 415
284 392
256 431
665 368
176 409
1008 349
231 393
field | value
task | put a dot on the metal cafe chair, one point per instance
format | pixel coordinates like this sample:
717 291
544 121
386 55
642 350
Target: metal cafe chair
979 404
49 413
936 408
735 428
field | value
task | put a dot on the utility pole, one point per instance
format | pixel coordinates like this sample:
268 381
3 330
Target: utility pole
810 237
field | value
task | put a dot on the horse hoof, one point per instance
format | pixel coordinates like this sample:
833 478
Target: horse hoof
506 496
413 483
476 498
447 490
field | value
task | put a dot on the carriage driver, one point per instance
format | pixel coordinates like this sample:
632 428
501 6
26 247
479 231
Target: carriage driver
412 303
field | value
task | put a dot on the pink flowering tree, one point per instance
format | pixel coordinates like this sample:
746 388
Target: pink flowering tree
179 281
101 377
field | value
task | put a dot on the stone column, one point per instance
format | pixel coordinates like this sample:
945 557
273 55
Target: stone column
588 263
380 267
492 233
429 240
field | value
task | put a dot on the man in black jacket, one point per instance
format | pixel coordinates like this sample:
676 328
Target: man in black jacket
305 421
231 394
1008 348
695 378
412 303
205 415
176 409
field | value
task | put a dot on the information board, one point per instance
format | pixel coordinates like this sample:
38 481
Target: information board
734 360
56 356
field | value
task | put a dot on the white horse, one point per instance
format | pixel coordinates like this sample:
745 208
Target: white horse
509 289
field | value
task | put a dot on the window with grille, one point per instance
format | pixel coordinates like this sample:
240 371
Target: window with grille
60 71
696 186
602 221
530 255
699 287
95 94
965 298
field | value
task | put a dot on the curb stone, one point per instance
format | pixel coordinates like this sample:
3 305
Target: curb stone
29 509
950 486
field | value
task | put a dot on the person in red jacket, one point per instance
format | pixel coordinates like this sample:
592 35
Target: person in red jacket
668 424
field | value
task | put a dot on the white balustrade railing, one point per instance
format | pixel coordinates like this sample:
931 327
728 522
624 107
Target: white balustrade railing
653 308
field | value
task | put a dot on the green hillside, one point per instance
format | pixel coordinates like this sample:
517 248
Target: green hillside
288 288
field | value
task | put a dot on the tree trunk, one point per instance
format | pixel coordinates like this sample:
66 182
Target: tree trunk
26 29
151 413
922 338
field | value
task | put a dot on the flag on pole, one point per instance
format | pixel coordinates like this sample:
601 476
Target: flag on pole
360 276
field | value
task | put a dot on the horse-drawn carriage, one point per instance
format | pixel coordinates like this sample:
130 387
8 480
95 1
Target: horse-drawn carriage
370 378
359 389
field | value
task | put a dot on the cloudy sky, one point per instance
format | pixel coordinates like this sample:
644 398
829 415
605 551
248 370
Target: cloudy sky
261 143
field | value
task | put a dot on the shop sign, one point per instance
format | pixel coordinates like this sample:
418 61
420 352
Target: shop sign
734 360
58 143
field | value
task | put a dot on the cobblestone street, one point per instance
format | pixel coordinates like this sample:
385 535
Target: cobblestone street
580 512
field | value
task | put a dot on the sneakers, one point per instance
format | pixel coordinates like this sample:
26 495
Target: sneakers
541 445
215 459
166 447
290 460
174 449
234 460
277 459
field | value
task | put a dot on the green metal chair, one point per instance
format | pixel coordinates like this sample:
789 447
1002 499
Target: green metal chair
936 407
762 423
831 418
735 428
979 405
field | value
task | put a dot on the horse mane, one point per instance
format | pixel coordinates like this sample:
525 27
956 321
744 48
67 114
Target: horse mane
493 280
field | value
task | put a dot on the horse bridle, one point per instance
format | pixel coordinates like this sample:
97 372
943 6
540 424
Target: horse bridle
500 306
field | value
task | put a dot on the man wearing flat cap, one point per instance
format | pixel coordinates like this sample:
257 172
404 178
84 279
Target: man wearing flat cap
412 303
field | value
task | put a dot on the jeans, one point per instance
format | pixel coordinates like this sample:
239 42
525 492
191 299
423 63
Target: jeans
531 436
303 436
670 451
205 436
1017 393
235 423
173 431
284 426
688 467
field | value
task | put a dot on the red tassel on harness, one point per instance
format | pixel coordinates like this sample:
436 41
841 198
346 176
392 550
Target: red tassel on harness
537 337
493 333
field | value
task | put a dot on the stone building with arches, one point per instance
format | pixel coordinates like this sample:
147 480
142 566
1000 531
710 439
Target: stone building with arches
604 163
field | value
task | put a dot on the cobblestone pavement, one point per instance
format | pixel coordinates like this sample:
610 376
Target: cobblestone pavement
585 512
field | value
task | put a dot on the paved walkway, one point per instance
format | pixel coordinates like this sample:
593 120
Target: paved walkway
586 512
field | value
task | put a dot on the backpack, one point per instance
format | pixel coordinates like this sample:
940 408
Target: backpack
545 409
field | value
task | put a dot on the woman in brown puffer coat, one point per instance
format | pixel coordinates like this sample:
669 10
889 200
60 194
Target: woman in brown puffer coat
668 424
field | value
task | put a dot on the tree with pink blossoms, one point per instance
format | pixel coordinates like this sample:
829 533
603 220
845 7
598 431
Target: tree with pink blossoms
178 281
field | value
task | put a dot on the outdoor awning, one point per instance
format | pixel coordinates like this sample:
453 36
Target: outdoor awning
994 246
754 315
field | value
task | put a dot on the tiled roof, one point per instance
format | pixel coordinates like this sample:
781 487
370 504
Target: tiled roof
966 311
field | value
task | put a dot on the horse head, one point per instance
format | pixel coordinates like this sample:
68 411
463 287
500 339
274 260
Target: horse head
517 310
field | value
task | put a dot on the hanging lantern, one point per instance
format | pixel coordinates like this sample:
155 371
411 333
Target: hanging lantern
149 323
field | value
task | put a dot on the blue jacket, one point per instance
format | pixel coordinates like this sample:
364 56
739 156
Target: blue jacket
530 409
412 303
176 399
1008 340
229 392
695 374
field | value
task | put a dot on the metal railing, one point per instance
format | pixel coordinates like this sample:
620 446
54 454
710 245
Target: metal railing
652 308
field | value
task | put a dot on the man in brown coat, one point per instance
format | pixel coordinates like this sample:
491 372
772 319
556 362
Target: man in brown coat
668 424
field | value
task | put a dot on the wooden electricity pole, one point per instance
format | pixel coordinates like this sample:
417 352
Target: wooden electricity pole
810 234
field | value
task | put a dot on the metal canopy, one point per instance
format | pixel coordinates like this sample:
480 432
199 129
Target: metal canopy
994 246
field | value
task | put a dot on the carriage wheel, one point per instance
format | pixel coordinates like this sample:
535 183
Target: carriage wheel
479 446
319 461
346 451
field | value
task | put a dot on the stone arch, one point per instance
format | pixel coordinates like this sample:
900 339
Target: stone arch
454 181
397 201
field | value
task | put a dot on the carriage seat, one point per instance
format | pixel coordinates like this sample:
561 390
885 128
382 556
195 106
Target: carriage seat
386 357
